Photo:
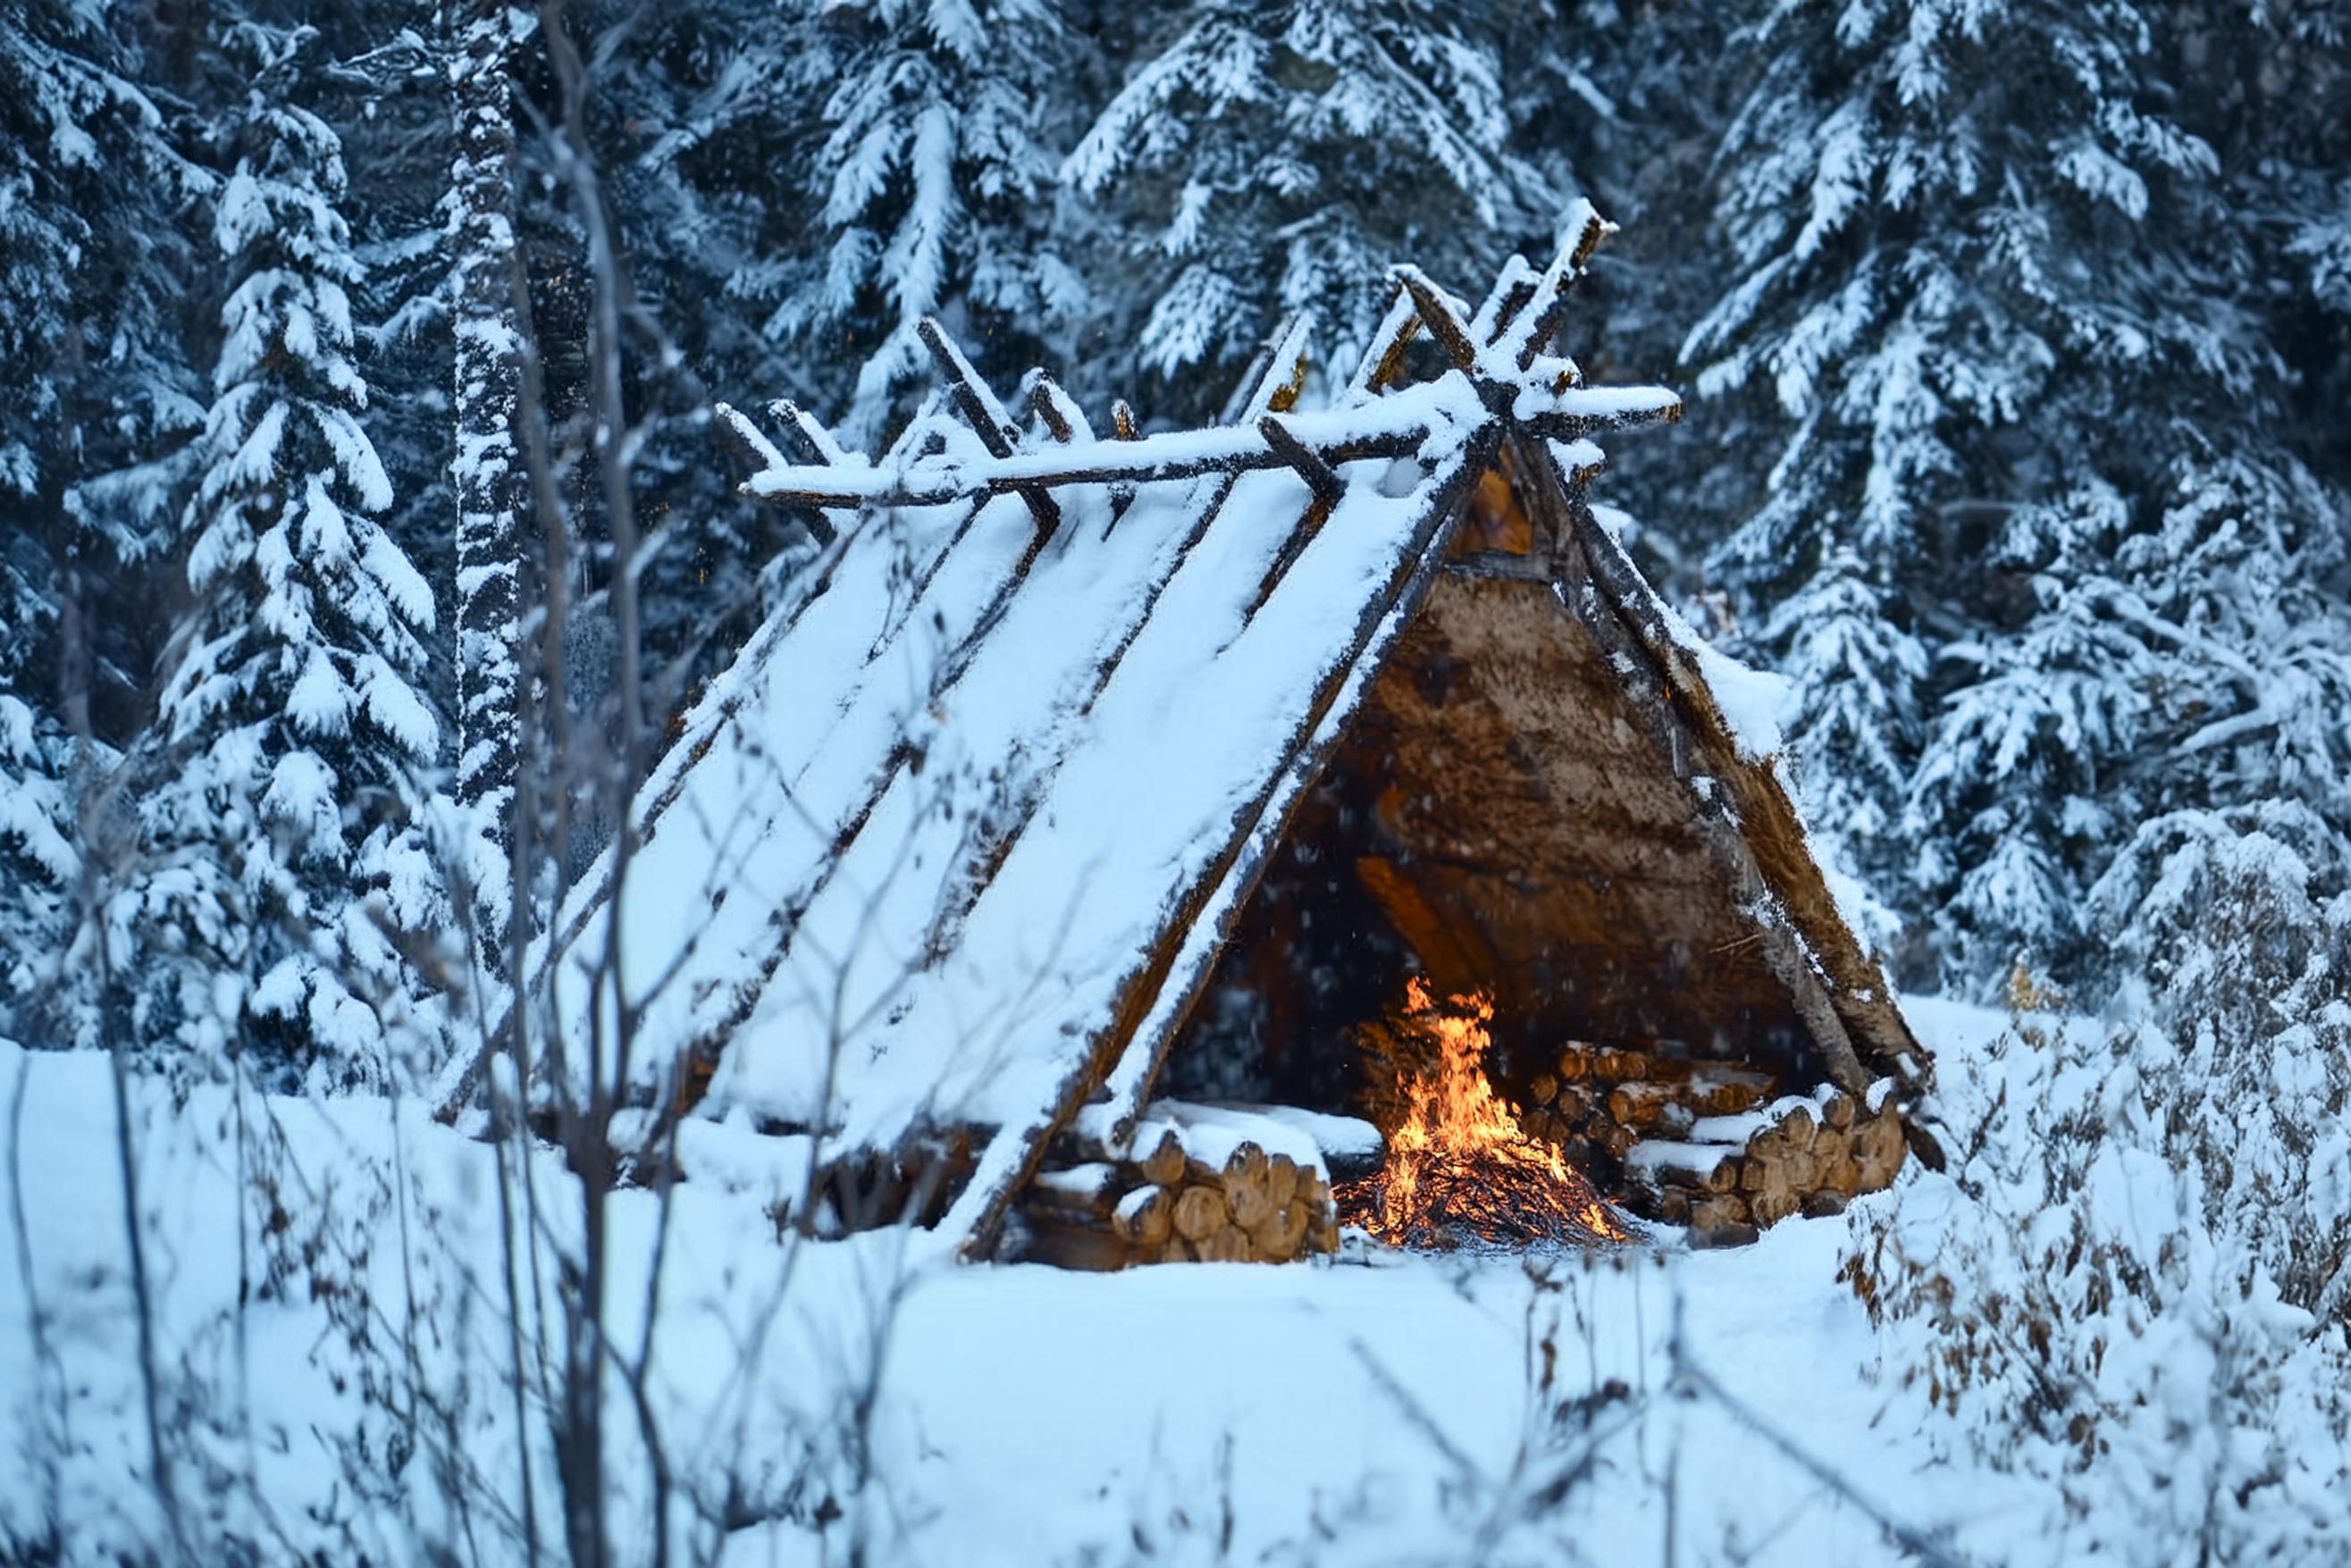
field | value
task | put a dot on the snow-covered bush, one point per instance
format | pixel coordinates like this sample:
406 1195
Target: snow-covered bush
2130 1282
2246 974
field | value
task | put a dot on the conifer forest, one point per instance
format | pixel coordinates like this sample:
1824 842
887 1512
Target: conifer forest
735 735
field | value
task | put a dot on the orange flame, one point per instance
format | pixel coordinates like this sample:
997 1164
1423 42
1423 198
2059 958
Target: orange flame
1456 1157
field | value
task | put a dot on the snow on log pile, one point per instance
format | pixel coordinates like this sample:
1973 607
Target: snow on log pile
1212 1184
1725 1176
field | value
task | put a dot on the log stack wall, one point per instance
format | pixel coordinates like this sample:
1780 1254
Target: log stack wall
1168 1205
1715 1147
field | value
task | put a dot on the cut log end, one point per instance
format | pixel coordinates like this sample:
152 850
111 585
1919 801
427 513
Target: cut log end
1200 1212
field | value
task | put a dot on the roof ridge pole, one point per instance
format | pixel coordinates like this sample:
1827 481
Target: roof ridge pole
986 417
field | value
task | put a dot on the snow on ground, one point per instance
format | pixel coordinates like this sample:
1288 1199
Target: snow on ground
1377 1409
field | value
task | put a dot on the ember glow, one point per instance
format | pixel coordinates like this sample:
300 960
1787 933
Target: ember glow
1458 1165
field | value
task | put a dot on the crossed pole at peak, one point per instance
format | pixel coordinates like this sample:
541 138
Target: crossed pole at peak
1498 351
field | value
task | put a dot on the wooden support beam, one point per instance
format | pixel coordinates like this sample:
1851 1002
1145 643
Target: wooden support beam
1514 285
966 390
1590 231
1274 374
1604 408
1437 315
1385 358
1058 411
810 431
755 451
987 418
1147 467
1063 419
1320 477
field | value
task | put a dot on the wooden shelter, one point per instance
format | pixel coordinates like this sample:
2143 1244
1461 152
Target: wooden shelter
943 864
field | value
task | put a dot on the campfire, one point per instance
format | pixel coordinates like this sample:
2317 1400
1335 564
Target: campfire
1458 1165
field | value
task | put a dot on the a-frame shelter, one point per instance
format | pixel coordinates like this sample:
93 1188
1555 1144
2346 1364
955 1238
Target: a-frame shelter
951 849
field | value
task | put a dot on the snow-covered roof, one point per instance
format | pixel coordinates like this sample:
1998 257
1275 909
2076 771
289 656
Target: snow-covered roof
956 840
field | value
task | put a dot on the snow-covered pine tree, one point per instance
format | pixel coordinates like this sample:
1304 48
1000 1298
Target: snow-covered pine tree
931 183
280 857
40 855
94 392
40 113
93 278
2273 95
689 130
479 35
2189 631
1625 103
1989 331
1265 159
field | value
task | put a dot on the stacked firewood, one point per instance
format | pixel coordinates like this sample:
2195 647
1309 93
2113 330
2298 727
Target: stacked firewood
1732 1175
1169 1205
1707 1144
1595 1101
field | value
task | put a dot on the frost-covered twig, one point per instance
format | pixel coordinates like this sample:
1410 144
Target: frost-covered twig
1926 1548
